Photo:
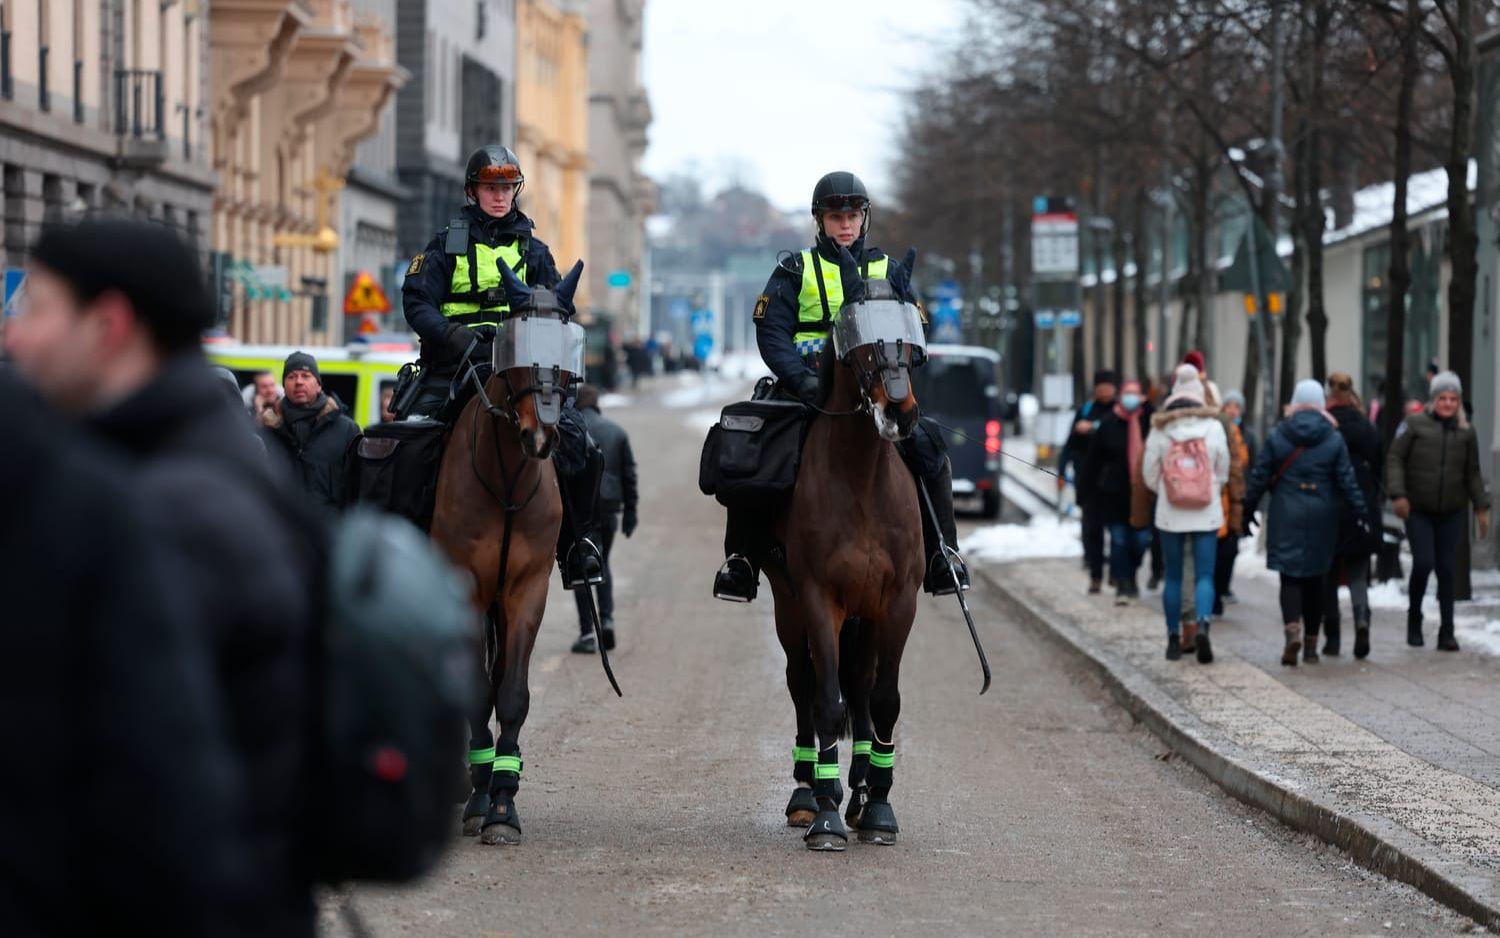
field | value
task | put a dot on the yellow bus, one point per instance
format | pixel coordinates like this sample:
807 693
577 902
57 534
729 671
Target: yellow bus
355 374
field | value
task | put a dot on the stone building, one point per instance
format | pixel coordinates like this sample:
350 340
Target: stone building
295 86
620 196
462 58
102 108
552 124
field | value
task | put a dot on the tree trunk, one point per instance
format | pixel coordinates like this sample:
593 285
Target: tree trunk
1141 250
1314 222
1291 332
1399 274
1463 240
1117 302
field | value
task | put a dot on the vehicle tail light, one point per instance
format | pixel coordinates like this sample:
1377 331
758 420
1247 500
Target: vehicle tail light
992 436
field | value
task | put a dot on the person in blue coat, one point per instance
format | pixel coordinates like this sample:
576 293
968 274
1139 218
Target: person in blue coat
1305 467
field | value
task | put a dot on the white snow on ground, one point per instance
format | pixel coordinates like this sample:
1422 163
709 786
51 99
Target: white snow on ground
701 420
696 390
615 400
1045 536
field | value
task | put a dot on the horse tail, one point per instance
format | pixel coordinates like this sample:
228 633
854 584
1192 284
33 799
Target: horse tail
851 637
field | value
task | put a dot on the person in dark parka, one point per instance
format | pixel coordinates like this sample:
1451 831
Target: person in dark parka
1104 482
112 341
1351 559
120 802
1305 467
618 498
309 430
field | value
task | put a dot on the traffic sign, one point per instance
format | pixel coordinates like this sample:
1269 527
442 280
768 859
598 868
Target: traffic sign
365 296
1070 317
1045 319
618 278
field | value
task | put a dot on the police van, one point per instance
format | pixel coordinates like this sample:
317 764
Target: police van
356 373
959 387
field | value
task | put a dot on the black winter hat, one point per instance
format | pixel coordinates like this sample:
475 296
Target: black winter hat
158 272
301 361
1106 376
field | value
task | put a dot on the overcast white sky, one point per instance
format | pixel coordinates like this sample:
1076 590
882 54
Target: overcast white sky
781 92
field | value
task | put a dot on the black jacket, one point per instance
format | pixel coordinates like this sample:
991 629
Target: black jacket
243 571
1363 442
1104 475
321 461
120 802
1435 464
617 488
776 323
1302 525
1076 447
431 274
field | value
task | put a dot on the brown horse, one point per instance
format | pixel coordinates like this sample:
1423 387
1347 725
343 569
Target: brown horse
497 516
853 534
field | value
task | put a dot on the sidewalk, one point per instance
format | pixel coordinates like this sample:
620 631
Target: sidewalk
1395 759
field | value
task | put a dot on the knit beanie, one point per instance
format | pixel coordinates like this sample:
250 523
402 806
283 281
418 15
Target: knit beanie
1446 381
301 361
1186 386
1309 393
1196 359
1234 397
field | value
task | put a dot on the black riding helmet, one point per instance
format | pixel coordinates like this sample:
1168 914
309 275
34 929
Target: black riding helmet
494 163
841 192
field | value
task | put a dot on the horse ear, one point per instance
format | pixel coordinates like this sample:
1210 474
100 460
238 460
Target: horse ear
569 284
854 285
515 288
909 262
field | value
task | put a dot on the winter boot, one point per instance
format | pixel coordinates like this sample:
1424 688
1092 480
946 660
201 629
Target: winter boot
1205 650
1293 645
1174 648
1310 646
1361 633
737 580
1445 639
940 580
1331 636
578 553
1095 586
1189 635
1414 628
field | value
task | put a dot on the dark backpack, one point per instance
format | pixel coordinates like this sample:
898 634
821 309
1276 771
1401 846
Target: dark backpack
394 467
751 455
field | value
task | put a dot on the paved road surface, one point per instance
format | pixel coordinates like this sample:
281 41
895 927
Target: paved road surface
1038 808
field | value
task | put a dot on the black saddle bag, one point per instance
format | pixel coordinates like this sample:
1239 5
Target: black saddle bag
751 455
394 467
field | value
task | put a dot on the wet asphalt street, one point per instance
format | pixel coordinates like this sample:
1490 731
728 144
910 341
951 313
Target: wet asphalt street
1037 809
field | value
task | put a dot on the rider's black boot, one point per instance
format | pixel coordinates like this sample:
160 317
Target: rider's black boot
578 554
737 580
940 579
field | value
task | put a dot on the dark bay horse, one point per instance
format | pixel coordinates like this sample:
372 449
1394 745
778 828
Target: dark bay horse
853 539
497 516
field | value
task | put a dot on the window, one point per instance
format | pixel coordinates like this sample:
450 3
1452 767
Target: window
52 203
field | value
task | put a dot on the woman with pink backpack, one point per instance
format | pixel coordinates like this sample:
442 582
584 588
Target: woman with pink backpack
1186 464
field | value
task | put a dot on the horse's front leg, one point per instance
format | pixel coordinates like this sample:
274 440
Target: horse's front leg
877 823
800 681
522 617
481 740
824 620
856 676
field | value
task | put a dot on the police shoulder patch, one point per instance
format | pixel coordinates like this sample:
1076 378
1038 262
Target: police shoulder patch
416 265
760 307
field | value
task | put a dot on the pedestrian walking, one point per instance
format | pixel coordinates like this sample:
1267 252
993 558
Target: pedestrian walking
261 394
1074 452
618 497
110 334
1305 468
1234 494
1432 476
309 429
1356 542
1186 463
1112 460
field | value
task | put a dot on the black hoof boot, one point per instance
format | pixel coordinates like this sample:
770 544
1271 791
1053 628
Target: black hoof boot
859 797
877 825
584 565
475 812
736 581
801 810
501 825
827 831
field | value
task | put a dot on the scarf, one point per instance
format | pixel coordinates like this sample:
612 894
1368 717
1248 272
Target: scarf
1134 442
300 420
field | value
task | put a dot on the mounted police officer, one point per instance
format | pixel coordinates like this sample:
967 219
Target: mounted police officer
453 291
792 322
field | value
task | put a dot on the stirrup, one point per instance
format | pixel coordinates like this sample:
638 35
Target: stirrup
737 580
947 573
584 565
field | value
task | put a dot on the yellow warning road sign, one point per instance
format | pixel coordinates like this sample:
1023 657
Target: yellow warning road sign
365 296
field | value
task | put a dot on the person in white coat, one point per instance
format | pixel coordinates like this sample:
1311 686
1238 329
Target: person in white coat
1186 463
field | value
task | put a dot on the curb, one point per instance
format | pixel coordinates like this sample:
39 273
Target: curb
1374 842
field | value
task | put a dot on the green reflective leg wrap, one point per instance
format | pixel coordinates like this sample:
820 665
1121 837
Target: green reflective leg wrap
480 763
882 764
803 760
507 769
826 775
482 756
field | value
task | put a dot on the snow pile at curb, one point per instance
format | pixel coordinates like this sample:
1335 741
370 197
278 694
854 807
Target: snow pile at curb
1045 536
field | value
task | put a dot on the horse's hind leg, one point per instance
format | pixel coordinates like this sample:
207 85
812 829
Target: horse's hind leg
856 675
481 740
799 683
828 831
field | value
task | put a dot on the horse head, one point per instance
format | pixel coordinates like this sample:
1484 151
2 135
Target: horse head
538 354
879 336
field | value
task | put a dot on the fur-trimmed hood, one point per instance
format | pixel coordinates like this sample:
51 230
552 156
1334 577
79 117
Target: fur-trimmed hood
1162 418
271 418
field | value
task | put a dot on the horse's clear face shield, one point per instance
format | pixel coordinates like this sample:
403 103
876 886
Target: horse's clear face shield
884 339
550 352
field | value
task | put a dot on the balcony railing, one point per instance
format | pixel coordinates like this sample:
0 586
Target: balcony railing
139 104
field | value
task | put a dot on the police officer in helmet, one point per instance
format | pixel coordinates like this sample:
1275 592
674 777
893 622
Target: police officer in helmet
453 287
792 323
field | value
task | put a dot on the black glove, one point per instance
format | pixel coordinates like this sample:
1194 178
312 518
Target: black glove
485 331
807 388
459 337
628 522
1251 521
1363 524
